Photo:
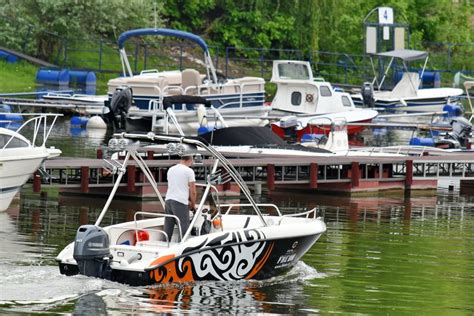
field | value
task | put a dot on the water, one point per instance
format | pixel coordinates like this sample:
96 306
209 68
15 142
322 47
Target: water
380 255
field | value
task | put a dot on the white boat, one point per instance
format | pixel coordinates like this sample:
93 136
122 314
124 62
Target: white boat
240 96
231 242
20 157
406 95
307 98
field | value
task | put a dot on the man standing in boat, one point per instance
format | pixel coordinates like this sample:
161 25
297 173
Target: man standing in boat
181 194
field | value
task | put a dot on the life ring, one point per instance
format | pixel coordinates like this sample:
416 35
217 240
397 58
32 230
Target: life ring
309 97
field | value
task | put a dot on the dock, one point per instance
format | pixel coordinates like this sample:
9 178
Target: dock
348 175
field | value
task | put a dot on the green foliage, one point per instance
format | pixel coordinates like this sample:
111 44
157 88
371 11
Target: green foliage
46 25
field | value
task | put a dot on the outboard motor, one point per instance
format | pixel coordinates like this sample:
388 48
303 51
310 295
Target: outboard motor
115 112
459 137
367 92
91 251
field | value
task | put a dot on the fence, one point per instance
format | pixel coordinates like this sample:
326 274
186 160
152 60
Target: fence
102 56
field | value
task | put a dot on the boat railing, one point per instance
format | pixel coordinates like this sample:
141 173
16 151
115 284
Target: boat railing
168 239
306 214
40 125
233 206
156 105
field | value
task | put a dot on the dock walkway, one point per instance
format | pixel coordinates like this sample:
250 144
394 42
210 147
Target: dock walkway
339 174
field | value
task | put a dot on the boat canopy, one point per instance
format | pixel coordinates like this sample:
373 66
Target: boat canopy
405 54
164 32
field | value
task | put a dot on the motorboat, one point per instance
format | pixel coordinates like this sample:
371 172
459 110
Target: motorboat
235 97
261 141
406 94
21 157
224 242
306 97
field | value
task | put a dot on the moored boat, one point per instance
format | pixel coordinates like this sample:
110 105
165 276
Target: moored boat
21 157
406 94
240 96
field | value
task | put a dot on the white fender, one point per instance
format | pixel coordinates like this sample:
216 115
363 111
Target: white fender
202 115
96 122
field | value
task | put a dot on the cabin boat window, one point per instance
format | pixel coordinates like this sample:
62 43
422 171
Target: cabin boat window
346 101
325 91
296 98
15 142
293 71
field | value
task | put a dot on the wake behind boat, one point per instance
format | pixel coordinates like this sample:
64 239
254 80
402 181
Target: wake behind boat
225 244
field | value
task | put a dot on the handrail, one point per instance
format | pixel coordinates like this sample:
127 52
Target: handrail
160 215
232 205
40 120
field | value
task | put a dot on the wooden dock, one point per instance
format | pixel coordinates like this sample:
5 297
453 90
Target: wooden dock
335 174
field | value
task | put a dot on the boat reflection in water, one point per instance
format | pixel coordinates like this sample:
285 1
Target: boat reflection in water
203 297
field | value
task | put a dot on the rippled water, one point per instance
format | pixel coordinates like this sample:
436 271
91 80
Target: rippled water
380 255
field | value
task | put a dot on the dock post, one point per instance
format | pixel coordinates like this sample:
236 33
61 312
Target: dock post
131 171
271 177
85 179
100 153
36 182
313 175
355 174
408 176
149 155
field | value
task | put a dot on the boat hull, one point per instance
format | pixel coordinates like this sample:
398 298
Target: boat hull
15 171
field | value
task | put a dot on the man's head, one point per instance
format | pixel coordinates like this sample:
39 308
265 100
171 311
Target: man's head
187 160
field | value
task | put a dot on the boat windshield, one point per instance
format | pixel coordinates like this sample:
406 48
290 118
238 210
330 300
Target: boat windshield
293 71
13 143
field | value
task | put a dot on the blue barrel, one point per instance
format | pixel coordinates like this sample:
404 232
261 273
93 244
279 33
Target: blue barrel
81 77
79 121
53 76
454 110
422 141
431 79
9 119
8 57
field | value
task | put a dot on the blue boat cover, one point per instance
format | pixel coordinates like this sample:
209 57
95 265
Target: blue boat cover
164 32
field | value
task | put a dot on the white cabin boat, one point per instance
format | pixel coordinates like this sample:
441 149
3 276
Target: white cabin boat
300 94
21 157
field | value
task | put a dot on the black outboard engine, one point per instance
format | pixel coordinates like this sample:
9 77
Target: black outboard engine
367 92
115 111
91 251
459 137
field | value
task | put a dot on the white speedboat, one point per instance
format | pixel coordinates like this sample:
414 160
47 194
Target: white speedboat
406 95
240 96
20 157
308 98
224 242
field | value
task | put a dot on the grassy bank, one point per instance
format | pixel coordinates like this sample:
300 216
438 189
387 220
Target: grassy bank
17 77
21 77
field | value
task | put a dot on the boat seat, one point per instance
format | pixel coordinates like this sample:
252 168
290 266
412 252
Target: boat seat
190 78
407 86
